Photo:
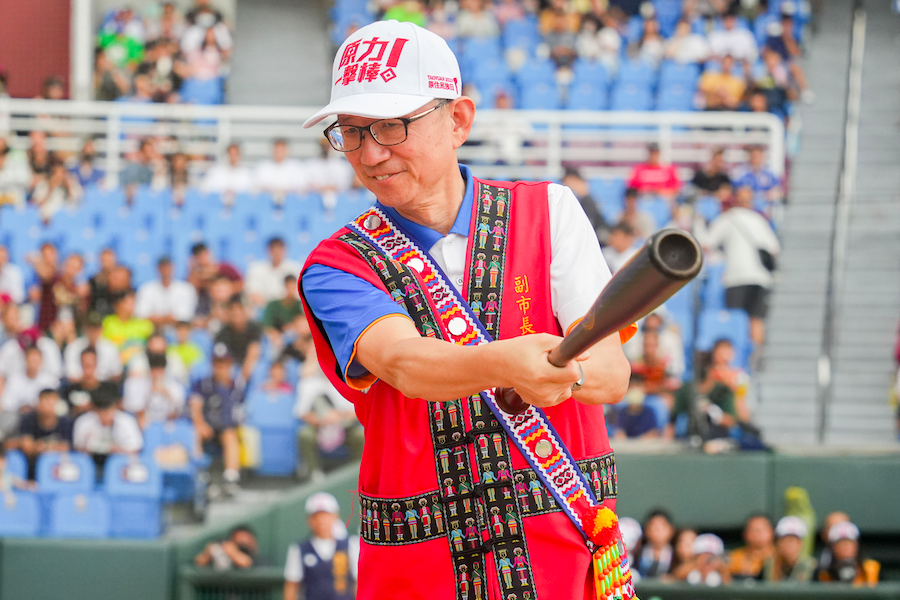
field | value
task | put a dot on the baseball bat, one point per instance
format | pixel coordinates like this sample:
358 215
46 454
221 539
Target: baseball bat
665 264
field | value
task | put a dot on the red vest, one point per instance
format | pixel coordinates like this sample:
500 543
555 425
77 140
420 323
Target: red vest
398 460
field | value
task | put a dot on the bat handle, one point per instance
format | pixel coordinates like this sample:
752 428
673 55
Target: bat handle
507 398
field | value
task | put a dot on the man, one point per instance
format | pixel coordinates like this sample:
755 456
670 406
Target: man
166 301
126 331
575 182
18 339
756 175
847 565
329 175
15 176
742 232
400 134
204 270
20 394
77 394
265 278
108 362
42 430
229 178
216 403
241 336
733 40
653 177
111 279
106 430
636 419
642 222
747 561
788 562
324 565
12 282
621 246
282 174
713 175
240 550
722 89
154 397
279 314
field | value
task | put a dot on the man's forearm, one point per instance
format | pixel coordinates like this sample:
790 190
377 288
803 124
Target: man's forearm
606 373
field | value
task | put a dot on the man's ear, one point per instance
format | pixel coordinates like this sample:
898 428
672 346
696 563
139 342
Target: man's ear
462 114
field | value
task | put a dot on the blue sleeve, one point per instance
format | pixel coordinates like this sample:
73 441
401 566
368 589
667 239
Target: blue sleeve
345 306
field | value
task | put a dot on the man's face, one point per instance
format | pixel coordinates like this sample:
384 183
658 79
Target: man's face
653 159
727 65
280 151
49 253
411 171
758 533
729 22
222 369
107 260
33 360
718 162
756 157
89 364
788 548
204 258
165 272
234 155
107 415
125 307
46 405
321 524
237 315
92 333
276 252
845 550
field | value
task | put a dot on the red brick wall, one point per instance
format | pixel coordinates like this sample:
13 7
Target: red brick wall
34 43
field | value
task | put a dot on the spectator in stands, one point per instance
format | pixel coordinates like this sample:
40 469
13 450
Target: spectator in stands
19 339
63 300
685 46
282 174
774 80
230 177
657 553
166 300
203 270
85 171
277 382
733 40
201 18
653 177
847 564
325 564
154 397
671 346
12 282
559 27
474 20
708 565
142 167
781 38
756 175
683 545
659 375
742 232
330 418
179 176
110 80
831 518
280 314
206 63
636 419
42 430
406 11
241 337
330 174
722 370
77 393
575 182
106 429
265 278
788 563
8 480
240 550
620 246
642 223
190 353
703 408
651 46
722 89
108 363
40 159
15 176
713 176
101 292
55 192
142 90
216 402
157 344
20 392
747 561
508 10
170 24
128 332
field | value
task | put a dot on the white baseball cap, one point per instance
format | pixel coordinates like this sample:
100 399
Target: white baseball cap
844 530
709 543
631 532
322 502
389 69
791 526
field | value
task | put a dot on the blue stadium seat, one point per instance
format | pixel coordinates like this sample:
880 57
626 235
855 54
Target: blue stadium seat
732 325
586 96
658 208
539 96
80 516
667 13
675 97
634 31
713 295
20 514
536 70
171 445
521 34
135 488
17 464
631 96
489 71
609 195
638 72
708 207
65 472
591 71
202 91
278 451
270 409
672 72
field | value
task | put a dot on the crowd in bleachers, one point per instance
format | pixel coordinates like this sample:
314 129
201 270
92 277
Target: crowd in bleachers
619 55
162 55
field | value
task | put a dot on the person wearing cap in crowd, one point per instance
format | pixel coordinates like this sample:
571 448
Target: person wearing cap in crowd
708 565
847 565
216 404
831 518
788 563
325 565
108 362
747 561
654 177
106 429
523 251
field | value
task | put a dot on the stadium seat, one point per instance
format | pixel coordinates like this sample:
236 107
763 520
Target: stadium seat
65 472
20 514
270 409
278 451
591 71
171 445
708 207
658 208
638 72
520 34
135 488
713 294
536 70
202 91
732 325
539 96
675 97
631 96
672 72
17 464
84 515
667 13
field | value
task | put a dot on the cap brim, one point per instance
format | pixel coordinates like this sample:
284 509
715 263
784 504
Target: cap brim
370 106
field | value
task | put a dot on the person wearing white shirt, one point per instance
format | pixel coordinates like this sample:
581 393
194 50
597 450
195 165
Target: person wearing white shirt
733 41
309 563
742 232
265 278
12 282
21 391
686 47
282 174
330 174
620 247
154 397
166 301
12 356
229 178
105 429
109 363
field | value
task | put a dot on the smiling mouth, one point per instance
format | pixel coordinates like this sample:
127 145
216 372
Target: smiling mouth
383 177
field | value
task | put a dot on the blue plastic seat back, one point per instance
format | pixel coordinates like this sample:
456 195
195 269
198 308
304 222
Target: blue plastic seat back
20 514
132 476
17 464
708 207
673 72
713 295
587 96
631 96
658 208
520 34
271 409
732 325
539 96
675 97
59 472
536 70
181 433
80 516
591 71
637 71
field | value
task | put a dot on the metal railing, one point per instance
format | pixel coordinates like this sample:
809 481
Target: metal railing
510 144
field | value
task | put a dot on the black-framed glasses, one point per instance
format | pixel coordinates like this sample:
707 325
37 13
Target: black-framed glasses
385 132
